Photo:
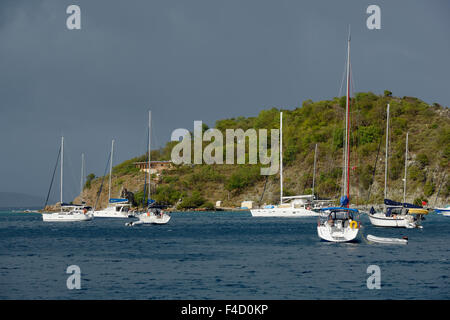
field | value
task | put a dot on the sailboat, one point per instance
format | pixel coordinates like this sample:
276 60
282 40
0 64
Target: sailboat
289 207
117 207
68 213
445 211
338 224
153 215
397 214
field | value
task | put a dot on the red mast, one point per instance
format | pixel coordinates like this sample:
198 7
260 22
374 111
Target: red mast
348 121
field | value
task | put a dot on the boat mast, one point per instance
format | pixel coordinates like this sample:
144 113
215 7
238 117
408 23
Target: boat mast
82 176
406 162
149 148
347 128
110 169
387 149
281 157
314 173
62 171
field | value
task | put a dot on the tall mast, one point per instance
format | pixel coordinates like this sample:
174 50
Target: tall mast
281 157
314 173
149 148
62 171
347 127
110 169
406 163
82 175
387 149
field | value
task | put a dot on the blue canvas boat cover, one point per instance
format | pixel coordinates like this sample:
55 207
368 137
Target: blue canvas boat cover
117 200
389 202
344 201
339 208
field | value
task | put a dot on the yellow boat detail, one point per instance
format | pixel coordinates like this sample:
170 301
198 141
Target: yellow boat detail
418 211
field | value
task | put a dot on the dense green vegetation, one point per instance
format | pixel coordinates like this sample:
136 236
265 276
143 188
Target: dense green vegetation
89 179
322 122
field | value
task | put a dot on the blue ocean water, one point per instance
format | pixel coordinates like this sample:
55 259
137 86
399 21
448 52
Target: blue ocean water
223 255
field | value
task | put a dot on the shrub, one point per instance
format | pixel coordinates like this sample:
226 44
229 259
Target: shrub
422 159
416 174
243 177
170 179
428 189
139 197
208 206
365 176
194 201
128 166
89 180
368 134
166 194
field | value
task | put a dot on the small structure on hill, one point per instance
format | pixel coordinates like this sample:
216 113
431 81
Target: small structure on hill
156 167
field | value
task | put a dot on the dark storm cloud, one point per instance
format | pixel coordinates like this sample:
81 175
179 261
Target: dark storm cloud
190 60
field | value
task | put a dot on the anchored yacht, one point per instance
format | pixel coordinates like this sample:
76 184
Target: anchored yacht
338 224
289 207
117 208
153 214
68 213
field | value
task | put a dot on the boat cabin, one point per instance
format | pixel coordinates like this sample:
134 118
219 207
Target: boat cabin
337 216
395 211
297 202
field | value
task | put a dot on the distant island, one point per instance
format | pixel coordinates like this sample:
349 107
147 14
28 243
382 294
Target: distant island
321 123
20 200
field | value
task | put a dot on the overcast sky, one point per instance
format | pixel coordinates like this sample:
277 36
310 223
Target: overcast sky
190 60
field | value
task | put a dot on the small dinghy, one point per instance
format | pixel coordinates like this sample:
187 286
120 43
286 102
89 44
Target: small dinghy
133 223
372 238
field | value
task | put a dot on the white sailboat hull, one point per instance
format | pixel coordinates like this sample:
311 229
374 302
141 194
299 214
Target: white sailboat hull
284 212
66 217
381 220
118 210
333 234
110 214
151 219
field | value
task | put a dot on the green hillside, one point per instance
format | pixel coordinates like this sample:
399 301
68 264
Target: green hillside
320 122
